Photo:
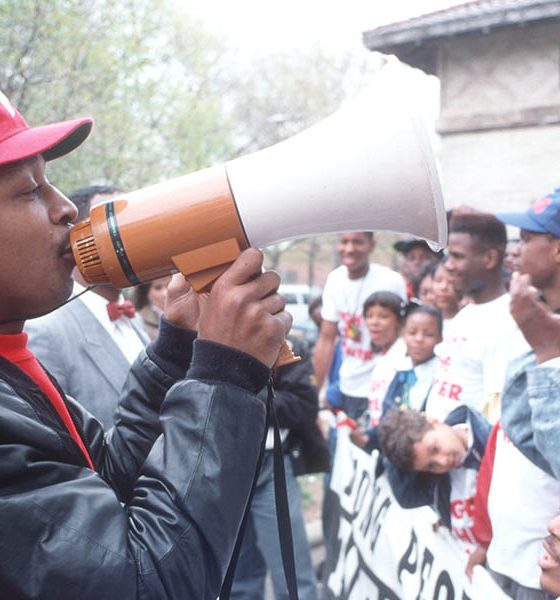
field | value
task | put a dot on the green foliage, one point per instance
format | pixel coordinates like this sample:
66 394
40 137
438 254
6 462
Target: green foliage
148 77
167 97
282 94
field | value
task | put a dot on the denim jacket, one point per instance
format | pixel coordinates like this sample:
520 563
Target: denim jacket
531 412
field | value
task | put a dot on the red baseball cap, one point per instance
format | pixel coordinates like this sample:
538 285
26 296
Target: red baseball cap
18 141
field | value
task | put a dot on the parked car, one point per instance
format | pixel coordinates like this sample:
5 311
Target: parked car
298 297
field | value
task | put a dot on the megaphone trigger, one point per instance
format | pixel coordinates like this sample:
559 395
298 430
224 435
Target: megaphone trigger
202 266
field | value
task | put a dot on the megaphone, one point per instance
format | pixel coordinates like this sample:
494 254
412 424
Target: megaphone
369 166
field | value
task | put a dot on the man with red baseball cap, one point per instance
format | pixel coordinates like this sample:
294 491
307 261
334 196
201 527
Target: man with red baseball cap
18 141
153 508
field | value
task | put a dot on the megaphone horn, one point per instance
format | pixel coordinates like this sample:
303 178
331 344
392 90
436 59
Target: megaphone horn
369 166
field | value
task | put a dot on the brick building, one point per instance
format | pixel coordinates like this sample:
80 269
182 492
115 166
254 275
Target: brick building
498 62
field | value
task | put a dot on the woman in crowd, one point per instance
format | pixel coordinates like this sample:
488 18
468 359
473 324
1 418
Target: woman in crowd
444 294
149 300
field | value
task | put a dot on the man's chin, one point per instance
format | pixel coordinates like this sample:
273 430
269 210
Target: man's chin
472 287
550 581
57 300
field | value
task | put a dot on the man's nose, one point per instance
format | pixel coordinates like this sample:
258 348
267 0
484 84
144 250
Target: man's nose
62 210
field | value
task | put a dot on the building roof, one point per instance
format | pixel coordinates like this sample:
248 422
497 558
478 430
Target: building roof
407 37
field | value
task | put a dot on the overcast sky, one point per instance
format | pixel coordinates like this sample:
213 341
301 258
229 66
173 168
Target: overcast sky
252 25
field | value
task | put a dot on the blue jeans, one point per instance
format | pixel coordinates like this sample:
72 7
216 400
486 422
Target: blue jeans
353 406
260 550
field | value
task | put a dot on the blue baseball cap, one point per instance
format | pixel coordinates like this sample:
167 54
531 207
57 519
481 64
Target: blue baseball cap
542 217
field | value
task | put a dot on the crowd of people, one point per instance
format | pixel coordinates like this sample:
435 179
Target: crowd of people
459 399
136 434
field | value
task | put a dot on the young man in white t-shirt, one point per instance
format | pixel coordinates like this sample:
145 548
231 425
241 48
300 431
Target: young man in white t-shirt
344 294
523 493
480 341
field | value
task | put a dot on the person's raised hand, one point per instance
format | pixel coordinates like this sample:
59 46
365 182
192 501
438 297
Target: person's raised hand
476 557
245 311
525 298
539 325
359 437
182 303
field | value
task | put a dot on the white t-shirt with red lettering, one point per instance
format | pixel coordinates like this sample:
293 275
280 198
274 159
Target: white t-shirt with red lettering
521 501
382 374
477 346
463 491
343 301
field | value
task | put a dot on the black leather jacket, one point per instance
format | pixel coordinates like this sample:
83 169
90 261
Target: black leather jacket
159 517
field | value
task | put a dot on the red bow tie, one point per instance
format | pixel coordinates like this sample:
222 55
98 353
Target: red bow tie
117 310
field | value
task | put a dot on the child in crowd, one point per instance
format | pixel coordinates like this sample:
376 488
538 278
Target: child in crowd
149 301
424 283
410 385
445 295
383 314
436 463
422 331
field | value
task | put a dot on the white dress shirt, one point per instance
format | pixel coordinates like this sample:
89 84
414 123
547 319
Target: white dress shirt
121 330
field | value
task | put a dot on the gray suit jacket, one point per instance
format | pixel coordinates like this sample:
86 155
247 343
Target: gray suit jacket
85 360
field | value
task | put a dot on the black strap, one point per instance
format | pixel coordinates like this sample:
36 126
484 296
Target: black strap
282 510
230 573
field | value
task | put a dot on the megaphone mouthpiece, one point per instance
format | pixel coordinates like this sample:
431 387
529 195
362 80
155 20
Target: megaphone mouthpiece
189 224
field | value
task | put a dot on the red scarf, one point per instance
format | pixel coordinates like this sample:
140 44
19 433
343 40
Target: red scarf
14 348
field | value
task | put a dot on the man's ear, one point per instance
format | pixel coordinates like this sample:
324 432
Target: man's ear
492 258
372 245
556 250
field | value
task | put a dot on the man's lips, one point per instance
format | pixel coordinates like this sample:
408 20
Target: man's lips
66 252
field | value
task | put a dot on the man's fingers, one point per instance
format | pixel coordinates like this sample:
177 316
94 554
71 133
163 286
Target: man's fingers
244 272
273 303
520 281
248 265
177 286
286 321
245 311
521 286
266 284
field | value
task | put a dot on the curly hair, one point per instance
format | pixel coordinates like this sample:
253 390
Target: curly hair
399 430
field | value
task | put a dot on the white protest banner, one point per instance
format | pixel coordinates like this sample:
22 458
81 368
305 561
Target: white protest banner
379 551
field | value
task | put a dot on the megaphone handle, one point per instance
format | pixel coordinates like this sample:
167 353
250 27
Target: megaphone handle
202 271
286 355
